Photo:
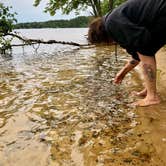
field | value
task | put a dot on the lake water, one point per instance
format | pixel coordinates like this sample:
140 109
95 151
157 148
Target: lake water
59 107
77 35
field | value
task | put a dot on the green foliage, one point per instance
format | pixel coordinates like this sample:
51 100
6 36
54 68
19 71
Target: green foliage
6 25
108 5
105 6
77 22
65 5
6 20
99 7
118 2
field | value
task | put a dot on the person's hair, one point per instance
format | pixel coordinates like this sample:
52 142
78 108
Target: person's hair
97 32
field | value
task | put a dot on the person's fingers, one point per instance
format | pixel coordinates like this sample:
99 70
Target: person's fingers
117 81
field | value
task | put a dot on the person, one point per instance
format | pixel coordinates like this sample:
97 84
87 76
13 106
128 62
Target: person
139 27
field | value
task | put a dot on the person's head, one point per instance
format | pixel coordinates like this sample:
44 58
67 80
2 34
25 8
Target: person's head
97 33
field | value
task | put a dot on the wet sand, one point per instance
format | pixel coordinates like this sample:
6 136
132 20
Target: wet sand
153 118
65 111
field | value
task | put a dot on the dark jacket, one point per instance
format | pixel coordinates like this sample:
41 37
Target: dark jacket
138 26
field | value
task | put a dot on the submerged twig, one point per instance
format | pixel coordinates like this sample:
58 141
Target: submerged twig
116 52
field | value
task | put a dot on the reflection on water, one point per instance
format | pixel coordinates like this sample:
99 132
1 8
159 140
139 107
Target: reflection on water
63 110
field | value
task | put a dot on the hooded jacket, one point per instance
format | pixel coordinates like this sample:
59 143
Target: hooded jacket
138 26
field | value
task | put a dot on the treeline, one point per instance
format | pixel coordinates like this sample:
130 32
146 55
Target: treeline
78 22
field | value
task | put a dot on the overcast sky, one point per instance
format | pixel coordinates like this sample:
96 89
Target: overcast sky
26 12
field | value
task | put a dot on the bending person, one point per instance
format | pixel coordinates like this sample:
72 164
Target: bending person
139 27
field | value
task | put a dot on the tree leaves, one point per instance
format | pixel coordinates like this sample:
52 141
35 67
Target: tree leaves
7 20
37 2
97 7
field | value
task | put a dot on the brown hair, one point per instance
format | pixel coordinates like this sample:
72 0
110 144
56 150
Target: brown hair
97 32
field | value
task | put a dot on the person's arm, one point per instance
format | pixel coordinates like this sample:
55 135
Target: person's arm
128 67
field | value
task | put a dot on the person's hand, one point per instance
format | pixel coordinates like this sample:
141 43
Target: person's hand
118 78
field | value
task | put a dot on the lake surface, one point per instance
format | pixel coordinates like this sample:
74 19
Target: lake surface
59 107
77 35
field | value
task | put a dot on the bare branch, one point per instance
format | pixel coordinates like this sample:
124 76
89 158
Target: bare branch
38 41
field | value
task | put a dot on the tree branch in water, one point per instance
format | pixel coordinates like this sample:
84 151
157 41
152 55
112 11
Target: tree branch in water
38 41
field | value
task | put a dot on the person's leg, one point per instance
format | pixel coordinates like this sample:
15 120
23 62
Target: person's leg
149 73
141 93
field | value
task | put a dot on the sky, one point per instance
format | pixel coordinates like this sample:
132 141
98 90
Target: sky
26 12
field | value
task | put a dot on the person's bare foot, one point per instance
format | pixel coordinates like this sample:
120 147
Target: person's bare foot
142 93
147 102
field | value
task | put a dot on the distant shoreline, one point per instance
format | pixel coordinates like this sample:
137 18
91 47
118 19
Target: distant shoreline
78 22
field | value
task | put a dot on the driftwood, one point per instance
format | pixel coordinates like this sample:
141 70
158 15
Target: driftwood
32 42
38 41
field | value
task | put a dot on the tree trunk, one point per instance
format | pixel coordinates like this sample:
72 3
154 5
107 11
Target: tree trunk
111 2
92 2
98 7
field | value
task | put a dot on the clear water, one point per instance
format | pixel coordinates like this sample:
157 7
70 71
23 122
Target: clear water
59 107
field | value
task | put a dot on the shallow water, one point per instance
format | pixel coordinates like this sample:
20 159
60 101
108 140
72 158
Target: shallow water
154 117
60 108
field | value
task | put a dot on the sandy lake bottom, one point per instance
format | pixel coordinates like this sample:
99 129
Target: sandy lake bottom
63 110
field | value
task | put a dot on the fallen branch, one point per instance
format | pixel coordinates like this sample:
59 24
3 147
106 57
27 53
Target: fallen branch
38 41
